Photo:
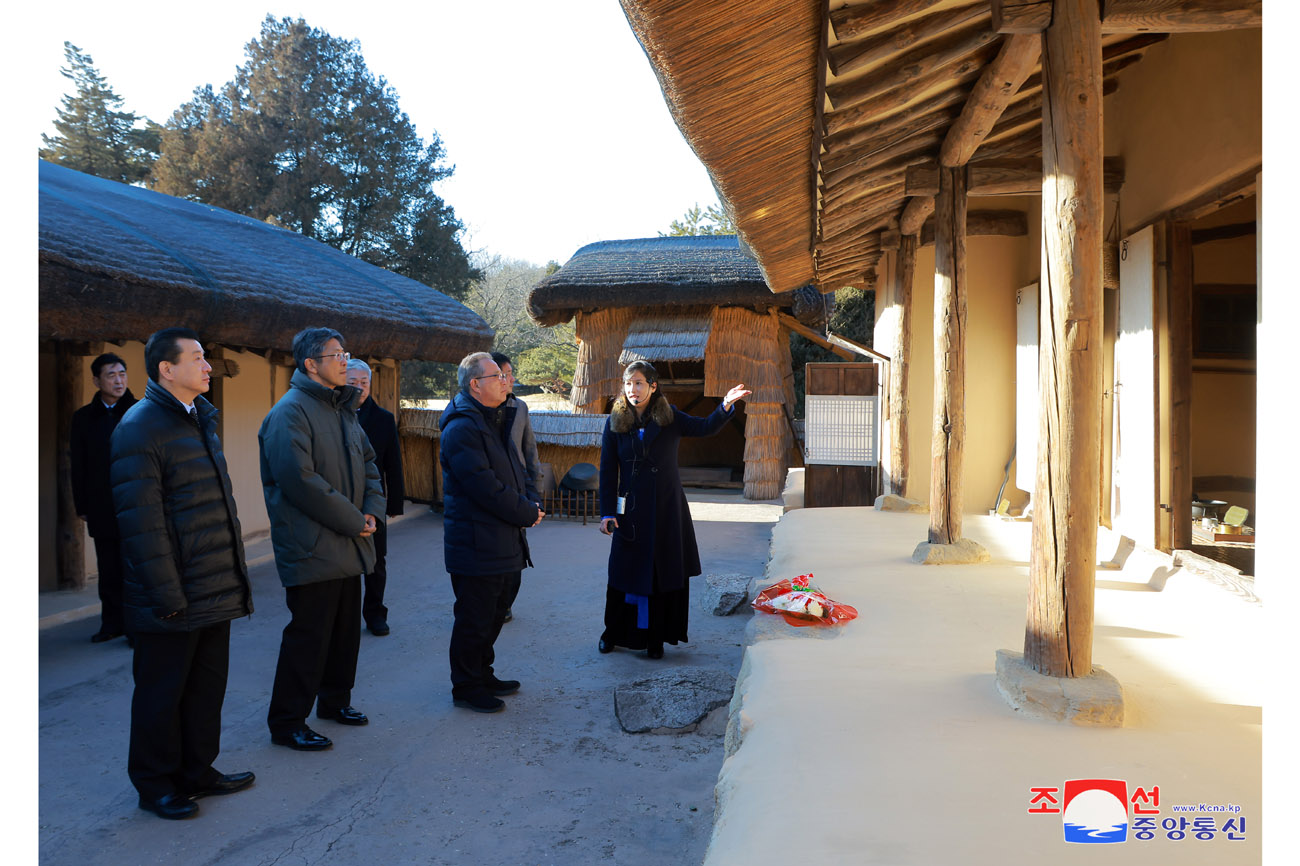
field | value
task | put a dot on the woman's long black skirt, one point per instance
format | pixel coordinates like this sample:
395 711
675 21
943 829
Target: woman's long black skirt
669 612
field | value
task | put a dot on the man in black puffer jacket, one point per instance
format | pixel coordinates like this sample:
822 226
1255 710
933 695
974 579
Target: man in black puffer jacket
487 509
185 577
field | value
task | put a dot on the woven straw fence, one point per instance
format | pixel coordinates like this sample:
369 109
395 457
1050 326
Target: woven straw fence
418 429
600 341
743 348
767 441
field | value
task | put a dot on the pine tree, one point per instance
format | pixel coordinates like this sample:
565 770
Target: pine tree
94 135
305 136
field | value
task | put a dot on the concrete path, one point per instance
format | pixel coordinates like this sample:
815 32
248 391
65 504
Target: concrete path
553 779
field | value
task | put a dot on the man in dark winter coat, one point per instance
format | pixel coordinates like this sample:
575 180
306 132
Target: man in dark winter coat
324 499
486 510
185 577
92 494
381 430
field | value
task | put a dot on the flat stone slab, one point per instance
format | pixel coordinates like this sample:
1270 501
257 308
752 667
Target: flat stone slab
676 701
722 594
892 502
964 552
1095 701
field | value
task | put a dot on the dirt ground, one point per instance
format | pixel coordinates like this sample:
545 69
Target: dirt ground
552 779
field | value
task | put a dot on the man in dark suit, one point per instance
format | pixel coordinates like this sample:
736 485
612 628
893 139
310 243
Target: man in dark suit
92 425
381 430
185 577
487 509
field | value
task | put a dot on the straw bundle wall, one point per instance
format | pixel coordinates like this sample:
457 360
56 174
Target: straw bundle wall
767 439
419 422
420 471
743 348
600 341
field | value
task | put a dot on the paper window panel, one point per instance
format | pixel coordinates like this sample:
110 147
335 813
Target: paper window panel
841 430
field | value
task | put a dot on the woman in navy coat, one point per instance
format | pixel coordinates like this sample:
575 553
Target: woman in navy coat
643 507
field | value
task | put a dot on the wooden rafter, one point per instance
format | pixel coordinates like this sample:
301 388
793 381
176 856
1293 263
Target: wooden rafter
1127 16
852 55
854 22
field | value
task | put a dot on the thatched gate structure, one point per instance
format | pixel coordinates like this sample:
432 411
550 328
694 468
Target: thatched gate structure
699 309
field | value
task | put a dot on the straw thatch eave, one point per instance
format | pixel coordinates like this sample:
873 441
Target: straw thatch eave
119 262
871 88
741 80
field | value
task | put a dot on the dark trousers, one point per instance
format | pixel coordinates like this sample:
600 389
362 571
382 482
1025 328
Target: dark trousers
180 684
480 610
108 559
318 652
372 609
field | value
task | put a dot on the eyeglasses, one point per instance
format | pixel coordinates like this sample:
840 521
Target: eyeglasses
337 356
501 376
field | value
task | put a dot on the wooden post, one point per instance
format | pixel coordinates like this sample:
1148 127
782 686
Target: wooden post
69 545
1179 257
1062 570
949 433
904 273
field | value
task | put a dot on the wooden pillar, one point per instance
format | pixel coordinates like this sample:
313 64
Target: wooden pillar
904 274
949 432
1062 571
69 545
1179 257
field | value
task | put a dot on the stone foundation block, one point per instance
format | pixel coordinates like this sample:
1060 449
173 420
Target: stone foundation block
1096 700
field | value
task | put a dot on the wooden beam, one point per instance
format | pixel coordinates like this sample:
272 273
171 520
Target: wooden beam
853 22
1181 16
878 124
1002 176
911 150
1178 256
1114 51
990 97
1021 16
820 339
1063 555
1222 233
851 55
910 66
948 433
69 541
837 154
904 273
914 215
989 223
952 80
1231 190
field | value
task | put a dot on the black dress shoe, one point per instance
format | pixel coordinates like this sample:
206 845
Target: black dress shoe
479 701
656 651
173 807
102 636
226 783
510 614
345 716
501 688
378 629
304 740
606 645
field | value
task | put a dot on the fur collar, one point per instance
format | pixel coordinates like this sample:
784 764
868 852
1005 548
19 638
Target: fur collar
622 418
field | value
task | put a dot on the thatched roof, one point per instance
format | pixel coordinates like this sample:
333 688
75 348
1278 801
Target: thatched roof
563 428
709 270
119 262
808 126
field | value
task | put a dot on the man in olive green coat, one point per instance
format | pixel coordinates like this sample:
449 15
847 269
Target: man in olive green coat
324 498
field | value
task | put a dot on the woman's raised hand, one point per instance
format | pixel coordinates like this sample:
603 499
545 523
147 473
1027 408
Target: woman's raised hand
735 394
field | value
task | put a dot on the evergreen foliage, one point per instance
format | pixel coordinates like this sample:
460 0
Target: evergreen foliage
306 137
854 317
711 221
94 135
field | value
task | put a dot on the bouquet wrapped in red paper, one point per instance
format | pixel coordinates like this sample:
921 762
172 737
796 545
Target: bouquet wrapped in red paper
802 603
